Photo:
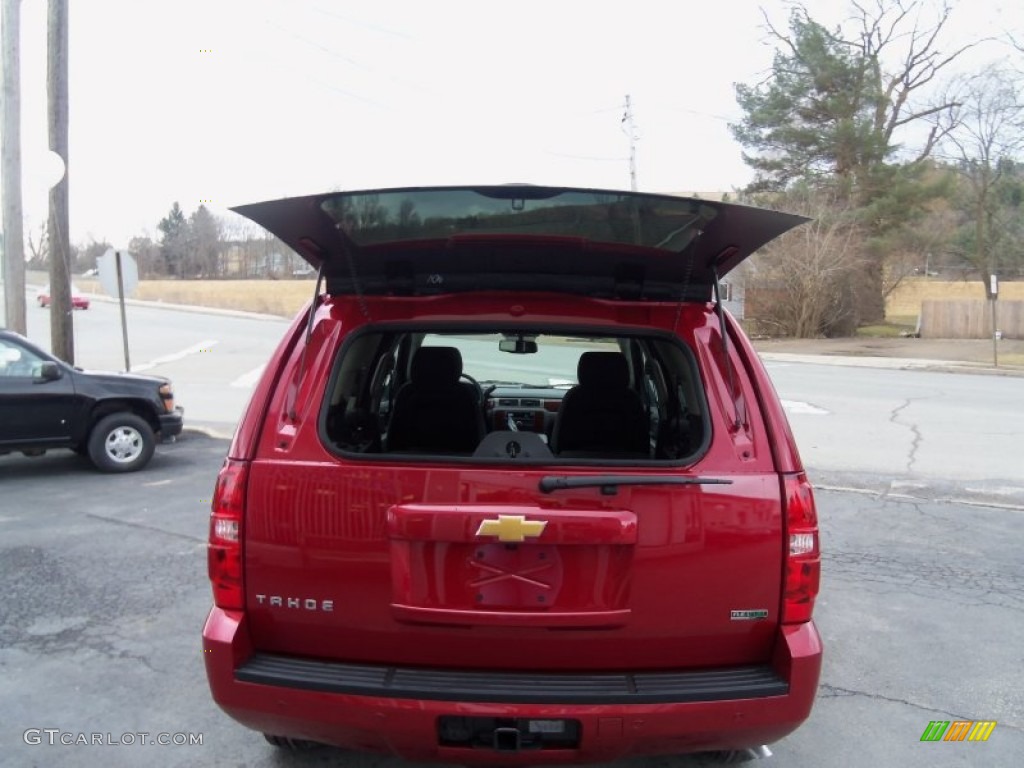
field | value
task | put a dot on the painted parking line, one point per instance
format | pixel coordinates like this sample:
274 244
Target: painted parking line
202 346
805 409
247 380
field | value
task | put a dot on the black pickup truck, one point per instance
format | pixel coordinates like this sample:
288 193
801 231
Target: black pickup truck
113 418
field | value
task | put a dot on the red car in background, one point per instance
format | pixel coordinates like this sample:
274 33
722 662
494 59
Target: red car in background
78 301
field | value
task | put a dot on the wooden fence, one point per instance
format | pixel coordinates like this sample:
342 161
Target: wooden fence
970 319
910 294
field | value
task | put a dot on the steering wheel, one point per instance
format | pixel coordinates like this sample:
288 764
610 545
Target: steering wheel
476 384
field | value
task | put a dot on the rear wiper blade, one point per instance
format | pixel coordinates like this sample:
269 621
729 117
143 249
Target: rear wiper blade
609 484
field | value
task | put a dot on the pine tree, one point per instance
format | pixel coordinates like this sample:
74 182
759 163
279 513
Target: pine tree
174 241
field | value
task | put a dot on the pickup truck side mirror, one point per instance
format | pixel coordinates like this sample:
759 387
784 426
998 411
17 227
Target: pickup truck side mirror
49 371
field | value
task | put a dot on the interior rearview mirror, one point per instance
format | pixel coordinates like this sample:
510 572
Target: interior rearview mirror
518 346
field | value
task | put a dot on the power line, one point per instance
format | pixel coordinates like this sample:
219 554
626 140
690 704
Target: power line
592 158
630 130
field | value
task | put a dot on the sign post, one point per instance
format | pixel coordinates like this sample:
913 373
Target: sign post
994 290
124 320
119 276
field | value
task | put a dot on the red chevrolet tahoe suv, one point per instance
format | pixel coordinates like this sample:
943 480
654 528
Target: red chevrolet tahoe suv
515 488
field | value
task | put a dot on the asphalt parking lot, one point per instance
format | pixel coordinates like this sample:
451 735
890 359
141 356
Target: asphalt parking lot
105 592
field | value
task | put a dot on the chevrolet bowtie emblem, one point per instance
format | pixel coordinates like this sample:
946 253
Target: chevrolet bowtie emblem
511 528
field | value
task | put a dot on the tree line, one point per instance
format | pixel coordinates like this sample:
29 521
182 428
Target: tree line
199 245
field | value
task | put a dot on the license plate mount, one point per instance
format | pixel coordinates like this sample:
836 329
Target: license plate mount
506 734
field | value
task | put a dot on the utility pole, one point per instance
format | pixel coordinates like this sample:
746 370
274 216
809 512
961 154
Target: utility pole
10 171
62 341
630 130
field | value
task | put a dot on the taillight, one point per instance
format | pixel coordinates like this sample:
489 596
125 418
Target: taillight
803 558
224 553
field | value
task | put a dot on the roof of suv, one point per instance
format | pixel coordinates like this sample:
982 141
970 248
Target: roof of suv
608 244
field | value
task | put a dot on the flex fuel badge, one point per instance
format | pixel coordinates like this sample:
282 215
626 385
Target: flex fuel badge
749 615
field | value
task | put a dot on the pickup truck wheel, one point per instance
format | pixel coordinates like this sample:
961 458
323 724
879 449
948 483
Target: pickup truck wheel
121 442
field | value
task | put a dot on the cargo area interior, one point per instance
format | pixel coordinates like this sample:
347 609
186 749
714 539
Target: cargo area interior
516 395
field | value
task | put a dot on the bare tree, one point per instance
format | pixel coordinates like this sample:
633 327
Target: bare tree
920 245
908 46
990 136
148 255
801 283
87 254
206 243
235 230
38 247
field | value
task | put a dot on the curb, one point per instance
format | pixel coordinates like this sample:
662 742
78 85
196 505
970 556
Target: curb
892 363
146 304
209 432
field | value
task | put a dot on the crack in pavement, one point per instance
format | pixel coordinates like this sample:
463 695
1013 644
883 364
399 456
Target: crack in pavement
1003 588
145 527
916 442
951 523
826 691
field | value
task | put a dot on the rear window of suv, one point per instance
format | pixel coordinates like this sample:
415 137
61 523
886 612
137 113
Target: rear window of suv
520 396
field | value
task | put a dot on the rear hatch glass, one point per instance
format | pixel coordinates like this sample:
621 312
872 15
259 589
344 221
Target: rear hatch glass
516 395
422 241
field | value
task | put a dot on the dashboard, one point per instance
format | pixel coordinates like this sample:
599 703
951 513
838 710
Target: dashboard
523 409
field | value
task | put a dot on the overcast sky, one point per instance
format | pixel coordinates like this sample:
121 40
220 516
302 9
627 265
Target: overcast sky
232 101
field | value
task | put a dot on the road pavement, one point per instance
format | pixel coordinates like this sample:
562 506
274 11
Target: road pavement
917 432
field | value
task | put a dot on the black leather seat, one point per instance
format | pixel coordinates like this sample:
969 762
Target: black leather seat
602 416
434 412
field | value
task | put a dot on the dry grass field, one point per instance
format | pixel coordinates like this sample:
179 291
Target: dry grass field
271 297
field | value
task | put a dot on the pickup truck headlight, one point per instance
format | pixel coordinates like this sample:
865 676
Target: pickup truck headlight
167 395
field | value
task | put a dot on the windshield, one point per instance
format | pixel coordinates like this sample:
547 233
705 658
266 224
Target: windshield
553 364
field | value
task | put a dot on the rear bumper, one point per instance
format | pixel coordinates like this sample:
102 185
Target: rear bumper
398 711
